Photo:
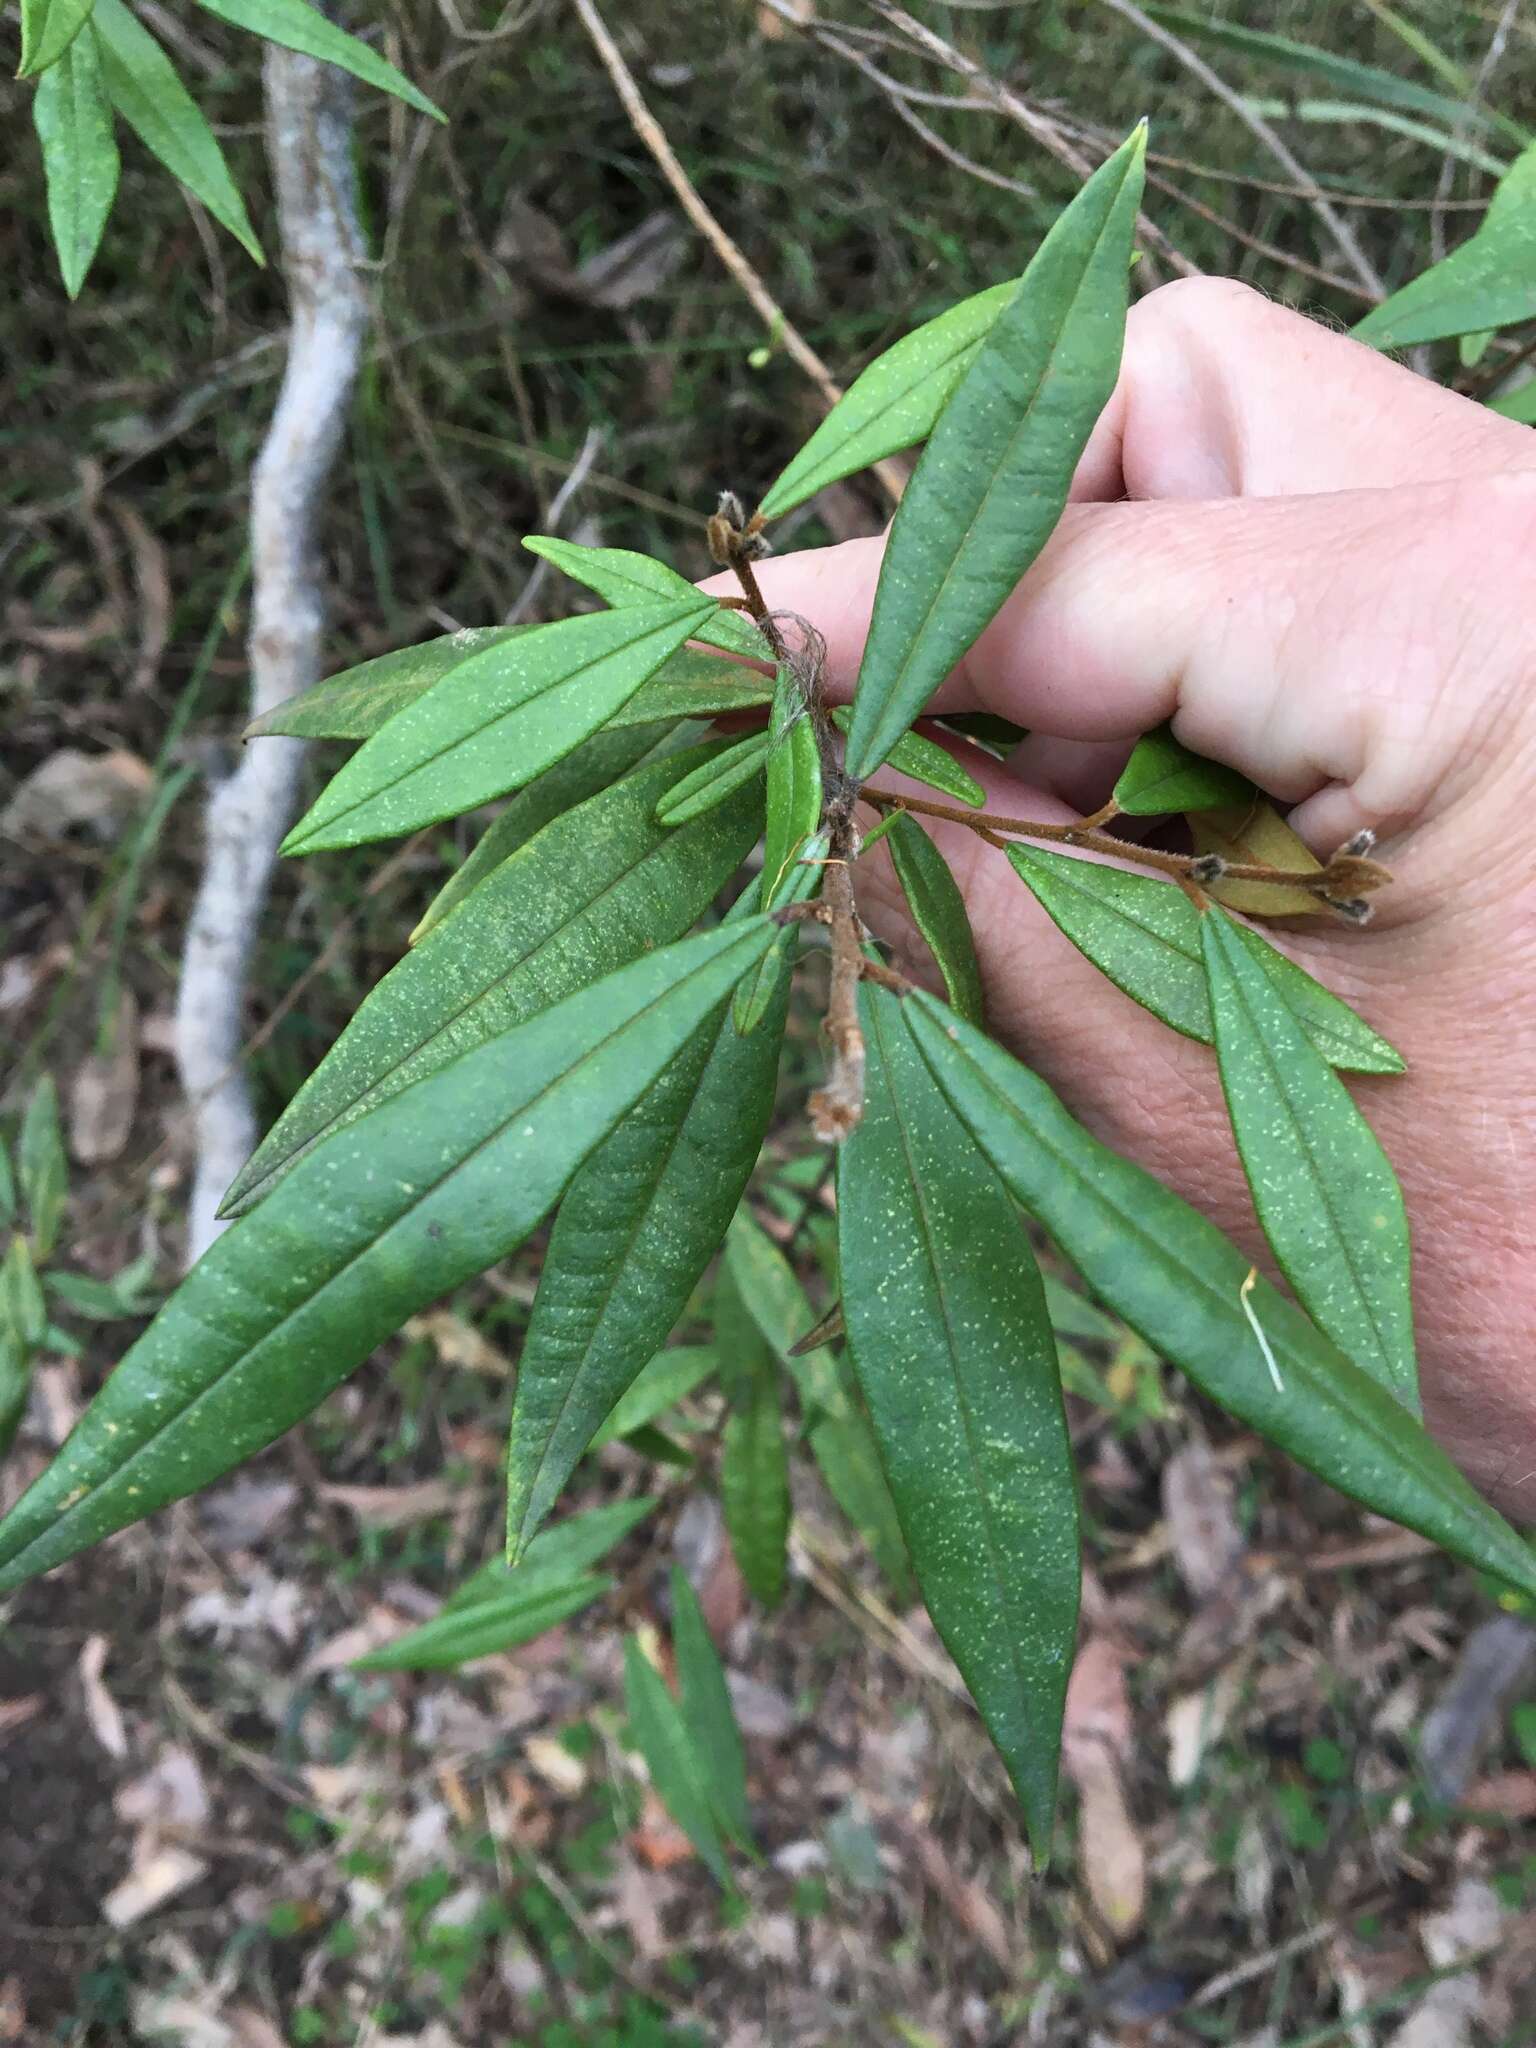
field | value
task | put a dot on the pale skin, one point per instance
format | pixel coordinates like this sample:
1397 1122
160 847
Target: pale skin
1323 569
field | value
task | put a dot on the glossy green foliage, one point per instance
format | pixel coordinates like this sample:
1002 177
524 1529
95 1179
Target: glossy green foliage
298 26
794 786
1323 1190
1163 775
708 1716
754 1469
1490 281
714 781
41 1166
893 403
938 910
1195 1299
992 481
500 1607
73 119
836 1428
437 1186
493 723
952 1344
925 761
142 84
48 29
621 577
605 758
597 887
641 1222
1144 934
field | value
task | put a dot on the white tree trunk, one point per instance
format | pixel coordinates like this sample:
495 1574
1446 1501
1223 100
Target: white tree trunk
308 112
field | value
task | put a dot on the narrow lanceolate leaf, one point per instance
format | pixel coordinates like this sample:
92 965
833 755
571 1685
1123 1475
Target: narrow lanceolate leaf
382 1220
925 761
952 1344
794 786
715 780
1490 281
42 1167
597 887
670 1377
754 1470
354 704
844 1449
799 882
992 482
708 1715
1193 1297
1163 775
1324 1192
142 84
492 724
691 685
596 762
80 161
938 910
620 577
641 1222
1145 935
48 28
497 1608
672 1758
298 26
893 403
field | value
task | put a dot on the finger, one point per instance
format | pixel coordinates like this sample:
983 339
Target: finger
1223 394
1078 773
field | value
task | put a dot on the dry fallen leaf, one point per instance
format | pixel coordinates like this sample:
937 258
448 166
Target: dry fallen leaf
169 1796
1195 1723
554 1763
1202 1524
71 788
458 1343
101 1710
1496 1660
105 1089
163 1873
1096 1738
17 1713
393 1507
1448 2013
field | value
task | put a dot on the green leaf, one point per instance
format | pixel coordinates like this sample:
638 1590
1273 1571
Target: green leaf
383 1219
596 763
696 686
1490 281
672 1758
893 403
800 881
640 1224
1193 1297
708 1715
42 1167
938 910
992 482
1144 934
1519 404
48 30
15 1379
621 577
952 1344
1346 74
598 886
794 785
492 724
8 1202
562 1550
844 1449
80 161
712 782
354 704
925 761
754 1469
1322 1187
669 1378
142 84
297 26
1163 775
22 1306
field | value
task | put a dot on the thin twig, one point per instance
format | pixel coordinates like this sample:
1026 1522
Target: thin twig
781 329
309 144
580 470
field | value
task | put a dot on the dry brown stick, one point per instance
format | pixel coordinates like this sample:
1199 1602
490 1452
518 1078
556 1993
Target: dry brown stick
1344 237
650 131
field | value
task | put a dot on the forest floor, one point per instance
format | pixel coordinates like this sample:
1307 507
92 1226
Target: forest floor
1301 1759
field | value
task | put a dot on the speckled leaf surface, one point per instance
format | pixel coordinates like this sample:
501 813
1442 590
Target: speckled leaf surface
1163 775
938 910
1189 1292
952 1344
991 483
598 886
80 160
1144 934
492 724
354 704
754 1466
793 800
1322 1187
925 761
385 1218
620 576
713 781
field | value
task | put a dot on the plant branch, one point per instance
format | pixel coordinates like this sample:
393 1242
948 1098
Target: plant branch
308 109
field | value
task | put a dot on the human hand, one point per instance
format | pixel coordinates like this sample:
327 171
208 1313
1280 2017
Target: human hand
1323 570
